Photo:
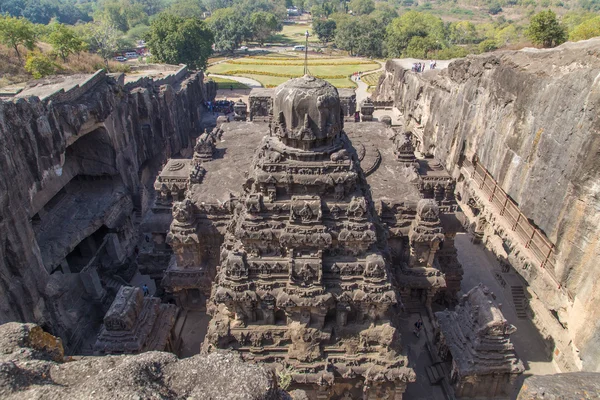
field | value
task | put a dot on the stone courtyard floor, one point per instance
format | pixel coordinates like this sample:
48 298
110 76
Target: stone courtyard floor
479 266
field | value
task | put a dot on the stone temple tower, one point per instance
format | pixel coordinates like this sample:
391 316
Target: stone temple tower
303 283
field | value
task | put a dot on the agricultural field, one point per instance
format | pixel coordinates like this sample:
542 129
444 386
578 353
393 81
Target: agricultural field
271 71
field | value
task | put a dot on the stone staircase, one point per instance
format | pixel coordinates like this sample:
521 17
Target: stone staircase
519 300
437 372
518 293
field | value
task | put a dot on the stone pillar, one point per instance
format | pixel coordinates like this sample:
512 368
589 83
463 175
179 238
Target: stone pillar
92 284
114 248
399 390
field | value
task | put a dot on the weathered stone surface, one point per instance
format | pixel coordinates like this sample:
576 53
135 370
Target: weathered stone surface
476 337
109 134
531 118
32 367
570 386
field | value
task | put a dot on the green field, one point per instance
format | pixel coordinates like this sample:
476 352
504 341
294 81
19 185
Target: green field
223 83
371 79
335 70
293 34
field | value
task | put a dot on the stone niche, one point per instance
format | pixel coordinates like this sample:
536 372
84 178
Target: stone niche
134 324
476 339
261 103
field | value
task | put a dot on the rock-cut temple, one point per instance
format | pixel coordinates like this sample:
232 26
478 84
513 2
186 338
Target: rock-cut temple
306 250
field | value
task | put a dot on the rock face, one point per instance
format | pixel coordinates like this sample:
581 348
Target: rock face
74 167
575 386
32 367
531 119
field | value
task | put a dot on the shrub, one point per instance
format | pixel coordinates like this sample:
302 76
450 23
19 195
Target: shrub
488 45
39 65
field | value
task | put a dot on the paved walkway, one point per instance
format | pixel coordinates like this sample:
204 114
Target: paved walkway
361 90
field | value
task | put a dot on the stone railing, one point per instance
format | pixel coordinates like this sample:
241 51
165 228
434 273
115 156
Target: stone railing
539 246
170 79
77 91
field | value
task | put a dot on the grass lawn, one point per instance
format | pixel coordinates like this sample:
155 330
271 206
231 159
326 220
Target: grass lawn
293 34
338 68
314 60
223 83
282 68
272 81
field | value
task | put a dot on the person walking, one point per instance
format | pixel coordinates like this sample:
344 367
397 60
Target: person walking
146 290
418 326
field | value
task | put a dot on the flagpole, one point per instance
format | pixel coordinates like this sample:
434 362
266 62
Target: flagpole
306 55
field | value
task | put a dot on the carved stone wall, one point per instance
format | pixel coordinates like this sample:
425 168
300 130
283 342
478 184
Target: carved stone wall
39 141
530 117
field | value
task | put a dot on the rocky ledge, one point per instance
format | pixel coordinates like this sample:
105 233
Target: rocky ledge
531 119
33 366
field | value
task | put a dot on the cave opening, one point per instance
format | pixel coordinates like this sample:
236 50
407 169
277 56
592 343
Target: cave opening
85 251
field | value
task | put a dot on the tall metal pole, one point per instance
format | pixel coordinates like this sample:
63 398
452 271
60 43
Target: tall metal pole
306 54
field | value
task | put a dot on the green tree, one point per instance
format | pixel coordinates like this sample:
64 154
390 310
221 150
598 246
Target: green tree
362 35
15 32
586 30
421 47
384 13
403 29
105 40
187 8
506 35
462 32
229 28
263 25
177 40
122 14
346 34
39 65
544 29
65 41
362 7
324 29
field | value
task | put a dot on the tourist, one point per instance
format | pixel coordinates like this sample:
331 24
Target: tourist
146 290
418 326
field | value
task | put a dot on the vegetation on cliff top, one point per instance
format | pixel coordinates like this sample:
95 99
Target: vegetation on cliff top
438 29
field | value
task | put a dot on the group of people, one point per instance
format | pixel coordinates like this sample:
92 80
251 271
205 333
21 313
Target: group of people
420 67
356 75
220 106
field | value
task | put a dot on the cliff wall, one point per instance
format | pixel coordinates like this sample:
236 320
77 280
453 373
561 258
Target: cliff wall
531 118
98 129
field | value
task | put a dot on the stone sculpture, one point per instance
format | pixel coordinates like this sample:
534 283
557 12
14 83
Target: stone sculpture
476 338
135 324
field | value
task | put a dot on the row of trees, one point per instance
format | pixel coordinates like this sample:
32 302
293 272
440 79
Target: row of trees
383 33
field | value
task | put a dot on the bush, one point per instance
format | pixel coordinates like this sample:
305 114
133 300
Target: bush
39 65
451 52
494 9
488 45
